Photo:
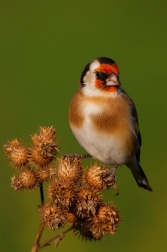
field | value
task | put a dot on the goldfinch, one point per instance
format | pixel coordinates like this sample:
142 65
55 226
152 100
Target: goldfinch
104 119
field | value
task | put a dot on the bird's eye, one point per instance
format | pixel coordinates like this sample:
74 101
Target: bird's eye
101 76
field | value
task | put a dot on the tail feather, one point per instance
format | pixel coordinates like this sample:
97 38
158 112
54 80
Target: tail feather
139 176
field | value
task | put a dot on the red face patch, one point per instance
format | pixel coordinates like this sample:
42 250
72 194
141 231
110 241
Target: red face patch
99 84
107 69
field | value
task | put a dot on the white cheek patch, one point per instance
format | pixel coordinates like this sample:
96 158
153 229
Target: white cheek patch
91 90
95 64
89 78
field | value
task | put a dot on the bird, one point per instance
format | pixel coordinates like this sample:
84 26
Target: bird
104 119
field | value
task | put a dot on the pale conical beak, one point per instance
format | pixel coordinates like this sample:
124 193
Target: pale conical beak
112 80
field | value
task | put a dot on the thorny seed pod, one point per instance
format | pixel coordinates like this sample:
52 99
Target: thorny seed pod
97 178
87 202
82 229
44 149
62 193
96 229
69 169
46 134
27 179
53 216
17 153
109 218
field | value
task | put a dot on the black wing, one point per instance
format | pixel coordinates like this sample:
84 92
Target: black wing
135 121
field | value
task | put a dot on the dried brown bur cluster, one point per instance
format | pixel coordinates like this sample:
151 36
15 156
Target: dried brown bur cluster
74 193
34 163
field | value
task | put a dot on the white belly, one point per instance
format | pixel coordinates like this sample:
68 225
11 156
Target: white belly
103 147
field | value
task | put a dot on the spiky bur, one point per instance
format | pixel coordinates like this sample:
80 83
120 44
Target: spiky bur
74 193
97 178
53 216
63 189
87 203
108 217
17 153
44 147
27 179
62 193
69 169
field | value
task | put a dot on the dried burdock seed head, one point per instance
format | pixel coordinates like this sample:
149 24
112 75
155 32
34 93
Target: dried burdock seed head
46 134
87 203
45 148
82 229
52 216
96 229
94 177
17 153
97 178
108 217
69 169
27 179
62 193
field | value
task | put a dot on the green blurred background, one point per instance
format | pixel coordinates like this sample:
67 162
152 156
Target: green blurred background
44 46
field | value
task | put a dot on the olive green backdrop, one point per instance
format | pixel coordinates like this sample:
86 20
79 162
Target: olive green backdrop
44 46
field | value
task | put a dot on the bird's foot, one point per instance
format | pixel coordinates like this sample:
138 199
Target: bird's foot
109 178
75 155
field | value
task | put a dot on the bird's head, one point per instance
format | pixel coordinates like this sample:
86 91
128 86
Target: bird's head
100 77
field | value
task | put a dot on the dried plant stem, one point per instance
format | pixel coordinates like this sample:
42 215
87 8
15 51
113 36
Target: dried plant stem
36 245
41 226
57 238
41 193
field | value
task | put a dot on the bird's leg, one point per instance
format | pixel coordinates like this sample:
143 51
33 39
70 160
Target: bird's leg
109 178
111 172
84 156
75 155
